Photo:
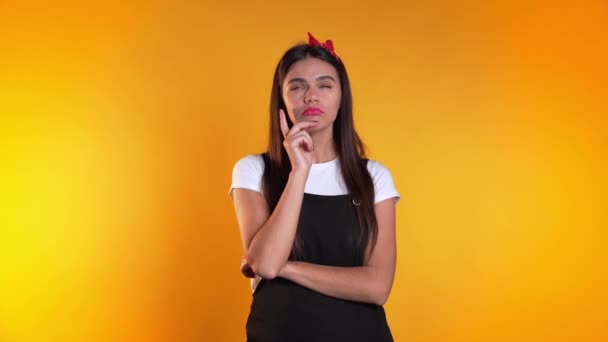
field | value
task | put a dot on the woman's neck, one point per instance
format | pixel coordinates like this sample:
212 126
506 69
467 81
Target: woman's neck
324 147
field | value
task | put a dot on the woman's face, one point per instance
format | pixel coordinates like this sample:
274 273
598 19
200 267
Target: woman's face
311 92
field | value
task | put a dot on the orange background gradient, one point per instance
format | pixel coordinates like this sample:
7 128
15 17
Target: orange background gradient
121 122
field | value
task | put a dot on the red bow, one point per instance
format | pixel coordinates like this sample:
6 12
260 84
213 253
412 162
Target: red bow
328 45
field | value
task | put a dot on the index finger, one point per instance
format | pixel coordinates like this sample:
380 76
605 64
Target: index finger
283 123
302 125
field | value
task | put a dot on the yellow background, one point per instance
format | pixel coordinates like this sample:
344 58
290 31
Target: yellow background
121 122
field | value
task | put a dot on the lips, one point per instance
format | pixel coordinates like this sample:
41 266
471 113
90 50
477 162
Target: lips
312 111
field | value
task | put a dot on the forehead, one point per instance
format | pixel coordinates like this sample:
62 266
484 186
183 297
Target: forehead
310 69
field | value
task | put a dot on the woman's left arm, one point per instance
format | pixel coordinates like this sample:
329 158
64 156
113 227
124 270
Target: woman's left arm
370 283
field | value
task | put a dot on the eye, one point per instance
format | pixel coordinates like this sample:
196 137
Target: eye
326 86
295 88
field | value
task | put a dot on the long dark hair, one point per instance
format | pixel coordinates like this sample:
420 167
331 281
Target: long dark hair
350 150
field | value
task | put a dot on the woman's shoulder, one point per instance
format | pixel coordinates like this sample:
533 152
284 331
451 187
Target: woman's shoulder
253 162
376 168
383 181
247 173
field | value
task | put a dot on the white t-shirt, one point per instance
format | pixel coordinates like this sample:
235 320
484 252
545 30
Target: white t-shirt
323 179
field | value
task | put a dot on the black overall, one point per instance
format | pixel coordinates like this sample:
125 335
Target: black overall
283 311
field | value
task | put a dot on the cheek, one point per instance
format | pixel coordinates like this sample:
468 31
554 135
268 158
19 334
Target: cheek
291 108
336 99
290 100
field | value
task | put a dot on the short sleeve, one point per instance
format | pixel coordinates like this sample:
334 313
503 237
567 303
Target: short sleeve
247 174
384 186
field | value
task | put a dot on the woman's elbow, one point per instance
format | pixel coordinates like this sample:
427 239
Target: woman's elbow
381 299
263 269
381 294
268 273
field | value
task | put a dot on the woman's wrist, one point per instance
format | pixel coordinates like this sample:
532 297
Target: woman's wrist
286 270
297 180
301 173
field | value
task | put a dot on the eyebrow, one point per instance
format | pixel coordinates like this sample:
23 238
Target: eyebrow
320 78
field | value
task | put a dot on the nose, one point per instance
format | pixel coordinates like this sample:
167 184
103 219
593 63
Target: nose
310 96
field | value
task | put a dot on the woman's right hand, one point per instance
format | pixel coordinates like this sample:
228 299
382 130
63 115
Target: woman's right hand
298 143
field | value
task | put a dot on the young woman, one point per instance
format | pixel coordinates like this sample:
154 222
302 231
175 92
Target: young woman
316 218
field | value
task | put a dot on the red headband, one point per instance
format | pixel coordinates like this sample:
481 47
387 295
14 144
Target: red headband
328 45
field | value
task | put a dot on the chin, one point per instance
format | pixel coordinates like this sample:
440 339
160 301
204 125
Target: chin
320 127
310 118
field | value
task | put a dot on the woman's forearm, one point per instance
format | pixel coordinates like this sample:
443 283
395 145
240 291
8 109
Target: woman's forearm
369 284
271 245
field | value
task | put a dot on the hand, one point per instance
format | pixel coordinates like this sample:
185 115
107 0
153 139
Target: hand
246 269
298 143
